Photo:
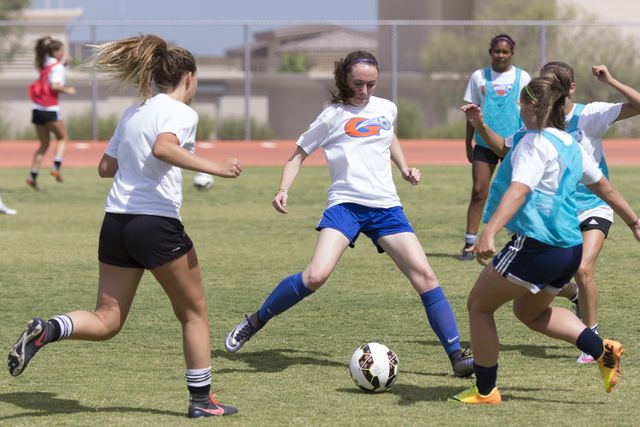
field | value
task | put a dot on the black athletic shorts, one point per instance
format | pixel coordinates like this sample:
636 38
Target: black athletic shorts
141 241
596 223
485 155
40 117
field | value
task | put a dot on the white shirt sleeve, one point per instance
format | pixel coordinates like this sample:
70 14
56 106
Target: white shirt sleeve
57 74
314 138
591 173
598 117
529 160
182 124
473 93
114 142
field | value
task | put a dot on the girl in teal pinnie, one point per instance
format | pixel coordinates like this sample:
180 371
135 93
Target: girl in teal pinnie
496 90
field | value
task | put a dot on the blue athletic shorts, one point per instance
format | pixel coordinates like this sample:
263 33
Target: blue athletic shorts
350 219
537 266
141 241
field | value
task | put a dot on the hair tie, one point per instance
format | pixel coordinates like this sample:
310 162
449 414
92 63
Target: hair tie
360 60
556 66
530 94
502 38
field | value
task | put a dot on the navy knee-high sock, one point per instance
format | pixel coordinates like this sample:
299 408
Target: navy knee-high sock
288 293
441 319
589 342
485 378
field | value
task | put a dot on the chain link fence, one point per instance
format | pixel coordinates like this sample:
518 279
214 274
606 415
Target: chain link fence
272 78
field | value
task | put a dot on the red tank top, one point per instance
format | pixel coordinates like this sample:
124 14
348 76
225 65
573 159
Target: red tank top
40 92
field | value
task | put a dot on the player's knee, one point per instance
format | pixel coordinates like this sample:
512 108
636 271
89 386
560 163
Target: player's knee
316 279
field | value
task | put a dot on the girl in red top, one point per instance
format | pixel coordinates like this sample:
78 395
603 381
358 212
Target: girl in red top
50 60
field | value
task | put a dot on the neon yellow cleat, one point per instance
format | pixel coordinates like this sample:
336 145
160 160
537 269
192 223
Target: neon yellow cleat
472 396
609 363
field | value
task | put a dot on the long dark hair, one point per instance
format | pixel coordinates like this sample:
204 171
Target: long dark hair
45 46
342 68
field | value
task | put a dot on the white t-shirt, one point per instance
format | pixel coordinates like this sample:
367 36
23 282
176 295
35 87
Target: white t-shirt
594 121
355 142
56 75
536 163
502 84
144 185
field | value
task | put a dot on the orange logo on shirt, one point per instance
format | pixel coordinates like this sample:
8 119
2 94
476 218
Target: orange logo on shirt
359 127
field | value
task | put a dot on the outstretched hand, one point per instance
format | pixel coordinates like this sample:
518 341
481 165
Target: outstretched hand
474 114
411 175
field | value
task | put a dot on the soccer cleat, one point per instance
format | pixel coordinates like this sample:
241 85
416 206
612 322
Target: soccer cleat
56 173
463 366
472 396
33 184
467 256
6 210
585 358
243 332
609 363
27 346
212 409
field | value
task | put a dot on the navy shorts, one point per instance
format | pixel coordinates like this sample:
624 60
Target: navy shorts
596 223
485 155
350 219
40 117
537 266
141 241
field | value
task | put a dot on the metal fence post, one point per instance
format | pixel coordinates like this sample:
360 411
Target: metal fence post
543 43
247 83
94 92
394 63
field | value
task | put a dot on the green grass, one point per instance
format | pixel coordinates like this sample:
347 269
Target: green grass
295 371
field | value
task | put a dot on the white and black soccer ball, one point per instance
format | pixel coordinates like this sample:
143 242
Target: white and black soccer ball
374 367
202 181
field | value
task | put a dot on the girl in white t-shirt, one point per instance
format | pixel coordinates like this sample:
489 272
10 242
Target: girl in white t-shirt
495 89
152 144
357 137
50 61
588 123
533 195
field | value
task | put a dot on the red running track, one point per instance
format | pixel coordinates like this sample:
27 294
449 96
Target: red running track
18 154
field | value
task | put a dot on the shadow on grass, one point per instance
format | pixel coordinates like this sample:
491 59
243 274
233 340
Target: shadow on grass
434 255
43 404
412 394
537 351
275 360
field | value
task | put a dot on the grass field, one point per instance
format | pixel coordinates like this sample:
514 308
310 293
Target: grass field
295 371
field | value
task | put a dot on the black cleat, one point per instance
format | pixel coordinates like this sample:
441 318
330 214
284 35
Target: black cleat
212 409
243 332
463 366
31 340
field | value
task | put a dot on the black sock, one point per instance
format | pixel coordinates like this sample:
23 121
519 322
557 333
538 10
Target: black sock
485 378
34 174
57 164
199 395
589 342
53 332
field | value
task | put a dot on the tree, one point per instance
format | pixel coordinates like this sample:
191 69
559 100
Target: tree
10 36
294 63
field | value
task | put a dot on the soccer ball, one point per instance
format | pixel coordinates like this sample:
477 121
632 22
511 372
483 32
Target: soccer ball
202 181
374 367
